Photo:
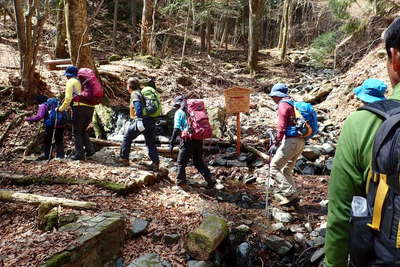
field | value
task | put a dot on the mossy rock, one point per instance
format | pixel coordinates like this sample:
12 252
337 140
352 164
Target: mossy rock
58 259
203 241
105 117
51 220
150 61
114 57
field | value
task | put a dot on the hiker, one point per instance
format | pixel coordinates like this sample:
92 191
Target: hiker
190 147
47 111
288 146
142 122
82 114
371 90
356 171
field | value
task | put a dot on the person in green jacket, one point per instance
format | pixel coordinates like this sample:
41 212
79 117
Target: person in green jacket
352 160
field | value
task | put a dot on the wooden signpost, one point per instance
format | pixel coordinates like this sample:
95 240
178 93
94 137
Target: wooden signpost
237 99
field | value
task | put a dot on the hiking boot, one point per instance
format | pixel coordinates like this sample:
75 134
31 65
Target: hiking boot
90 153
43 157
181 182
77 157
155 166
123 161
211 184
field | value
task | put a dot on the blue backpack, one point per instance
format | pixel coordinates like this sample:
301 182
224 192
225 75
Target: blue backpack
50 119
306 119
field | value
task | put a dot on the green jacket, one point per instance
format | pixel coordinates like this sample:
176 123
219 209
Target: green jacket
348 178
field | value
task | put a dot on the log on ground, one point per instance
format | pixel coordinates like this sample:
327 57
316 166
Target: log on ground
6 195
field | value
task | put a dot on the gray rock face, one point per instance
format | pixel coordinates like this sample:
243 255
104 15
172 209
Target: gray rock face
149 260
281 216
139 226
278 245
199 264
243 254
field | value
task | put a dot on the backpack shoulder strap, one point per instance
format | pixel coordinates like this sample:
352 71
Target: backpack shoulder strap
384 108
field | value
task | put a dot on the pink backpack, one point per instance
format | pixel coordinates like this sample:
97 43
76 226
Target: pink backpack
92 92
199 124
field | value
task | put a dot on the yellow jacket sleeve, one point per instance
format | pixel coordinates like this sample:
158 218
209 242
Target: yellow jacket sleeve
73 86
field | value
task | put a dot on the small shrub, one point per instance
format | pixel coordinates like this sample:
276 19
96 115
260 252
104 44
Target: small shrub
322 47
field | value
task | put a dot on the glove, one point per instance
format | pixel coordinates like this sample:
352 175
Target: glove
139 125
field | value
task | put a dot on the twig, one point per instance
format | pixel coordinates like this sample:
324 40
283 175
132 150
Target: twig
96 195
14 122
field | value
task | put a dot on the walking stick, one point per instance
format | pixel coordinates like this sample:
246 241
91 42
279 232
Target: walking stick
268 180
53 137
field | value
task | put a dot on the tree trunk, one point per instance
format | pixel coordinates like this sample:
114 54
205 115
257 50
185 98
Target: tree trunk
254 33
202 31
6 195
208 32
134 38
115 23
224 36
153 37
61 51
29 38
146 26
186 32
285 33
76 20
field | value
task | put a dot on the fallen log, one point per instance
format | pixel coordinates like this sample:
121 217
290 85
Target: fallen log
122 189
6 195
52 64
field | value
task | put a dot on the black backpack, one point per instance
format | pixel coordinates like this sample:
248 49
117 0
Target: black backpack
375 239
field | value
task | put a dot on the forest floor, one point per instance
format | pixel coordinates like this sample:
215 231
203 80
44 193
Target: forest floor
170 209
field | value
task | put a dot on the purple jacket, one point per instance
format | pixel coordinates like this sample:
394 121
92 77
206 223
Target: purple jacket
40 114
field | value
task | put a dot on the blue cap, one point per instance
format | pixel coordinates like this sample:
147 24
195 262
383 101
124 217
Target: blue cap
279 90
371 90
71 71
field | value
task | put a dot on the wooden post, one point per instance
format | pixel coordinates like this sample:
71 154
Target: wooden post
238 134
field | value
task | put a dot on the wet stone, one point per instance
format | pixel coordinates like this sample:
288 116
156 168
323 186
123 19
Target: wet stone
199 264
278 245
317 255
170 239
149 260
138 227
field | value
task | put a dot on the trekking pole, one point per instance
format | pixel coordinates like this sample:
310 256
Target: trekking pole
268 180
53 136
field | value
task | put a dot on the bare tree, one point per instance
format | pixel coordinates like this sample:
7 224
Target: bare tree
146 26
284 35
77 32
115 23
30 17
60 50
186 32
255 8
7 10
153 36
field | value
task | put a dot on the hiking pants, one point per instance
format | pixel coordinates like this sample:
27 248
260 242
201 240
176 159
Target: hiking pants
131 132
81 118
192 149
59 141
283 163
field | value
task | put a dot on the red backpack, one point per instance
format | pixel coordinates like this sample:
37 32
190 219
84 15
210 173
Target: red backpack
199 124
92 92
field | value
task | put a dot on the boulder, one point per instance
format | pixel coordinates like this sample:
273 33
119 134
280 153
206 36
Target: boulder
149 61
203 241
149 260
316 96
278 245
281 216
217 117
138 227
312 152
199 264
